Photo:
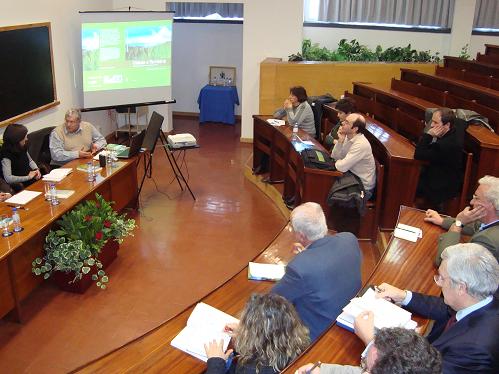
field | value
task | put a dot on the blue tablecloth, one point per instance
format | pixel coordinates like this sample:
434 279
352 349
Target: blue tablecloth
216 104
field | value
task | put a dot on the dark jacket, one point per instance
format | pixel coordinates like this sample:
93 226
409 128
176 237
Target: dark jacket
216 365
321 280
441 179
469 346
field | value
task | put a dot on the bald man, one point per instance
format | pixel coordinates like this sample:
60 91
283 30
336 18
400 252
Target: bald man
353 152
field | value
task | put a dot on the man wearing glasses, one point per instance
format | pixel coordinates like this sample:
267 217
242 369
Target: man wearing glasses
481 221
466 318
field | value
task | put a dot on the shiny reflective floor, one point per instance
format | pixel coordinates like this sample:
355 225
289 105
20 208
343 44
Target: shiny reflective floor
181 250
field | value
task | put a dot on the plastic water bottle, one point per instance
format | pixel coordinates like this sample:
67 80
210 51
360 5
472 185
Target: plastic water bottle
16 220
90 171
53 195
295 128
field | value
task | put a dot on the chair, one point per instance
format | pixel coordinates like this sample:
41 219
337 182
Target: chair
39 148
370 221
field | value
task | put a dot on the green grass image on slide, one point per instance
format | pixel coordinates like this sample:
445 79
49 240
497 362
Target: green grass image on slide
127 78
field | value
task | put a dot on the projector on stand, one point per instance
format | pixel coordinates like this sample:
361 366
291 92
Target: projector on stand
181 140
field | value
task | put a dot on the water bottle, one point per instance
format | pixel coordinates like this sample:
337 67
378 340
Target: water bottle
90 171
295 128
53 195
16 220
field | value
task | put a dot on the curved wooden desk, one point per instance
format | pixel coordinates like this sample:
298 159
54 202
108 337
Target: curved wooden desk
404 264
19 250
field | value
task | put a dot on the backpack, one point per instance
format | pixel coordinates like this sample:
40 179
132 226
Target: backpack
317 159
348 191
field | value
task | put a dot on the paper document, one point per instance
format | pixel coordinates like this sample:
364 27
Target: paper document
386 314
22 197
257 271
204 324
84 167
407 232
276 122
63 194
57 175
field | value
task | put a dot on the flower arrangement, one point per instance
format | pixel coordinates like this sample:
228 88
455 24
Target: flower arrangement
76 243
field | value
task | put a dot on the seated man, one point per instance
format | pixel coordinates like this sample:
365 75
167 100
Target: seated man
467 317
481 222
353 152
325 275
393 350
74 139
441 147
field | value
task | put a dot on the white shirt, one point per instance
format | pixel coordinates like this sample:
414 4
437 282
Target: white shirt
356 155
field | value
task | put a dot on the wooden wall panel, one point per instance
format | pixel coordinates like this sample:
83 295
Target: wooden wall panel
276 77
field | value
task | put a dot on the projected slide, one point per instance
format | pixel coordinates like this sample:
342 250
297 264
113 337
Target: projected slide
125 55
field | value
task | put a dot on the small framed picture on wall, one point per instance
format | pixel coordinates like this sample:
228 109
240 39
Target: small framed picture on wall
222 76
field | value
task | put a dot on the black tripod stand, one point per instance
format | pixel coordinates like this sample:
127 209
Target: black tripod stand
153 133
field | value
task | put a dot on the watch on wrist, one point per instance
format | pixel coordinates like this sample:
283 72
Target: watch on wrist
458 223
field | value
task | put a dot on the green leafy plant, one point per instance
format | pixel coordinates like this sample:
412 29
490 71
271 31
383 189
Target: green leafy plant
354 51
465 52
79 238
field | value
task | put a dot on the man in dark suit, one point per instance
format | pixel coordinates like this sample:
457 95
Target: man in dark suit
441 146
326 272
467 317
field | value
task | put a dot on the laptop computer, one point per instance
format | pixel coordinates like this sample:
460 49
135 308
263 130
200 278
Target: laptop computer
135 145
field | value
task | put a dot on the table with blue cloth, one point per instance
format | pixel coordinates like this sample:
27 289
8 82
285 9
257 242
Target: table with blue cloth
216 104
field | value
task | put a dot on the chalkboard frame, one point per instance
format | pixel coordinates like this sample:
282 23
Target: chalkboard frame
22 97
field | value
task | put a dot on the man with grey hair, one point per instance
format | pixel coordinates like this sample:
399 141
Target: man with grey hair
466 318
325 274
481 221
74 139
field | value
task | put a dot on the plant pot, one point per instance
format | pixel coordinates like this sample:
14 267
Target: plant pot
106 256
108 253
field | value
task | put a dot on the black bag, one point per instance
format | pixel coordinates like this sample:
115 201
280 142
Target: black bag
348 191
317 159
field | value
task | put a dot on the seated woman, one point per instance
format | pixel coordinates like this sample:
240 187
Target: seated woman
19 170
344 107
298 110
269 335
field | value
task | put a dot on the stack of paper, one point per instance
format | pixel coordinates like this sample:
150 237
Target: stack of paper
57 175
276 122
273 272
407 232
204 325
386 314
22 197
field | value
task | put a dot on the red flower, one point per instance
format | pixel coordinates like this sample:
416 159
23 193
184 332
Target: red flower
97 205
88 218
99 235
107 223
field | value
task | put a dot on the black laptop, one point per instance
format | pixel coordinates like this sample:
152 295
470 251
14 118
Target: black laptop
135 145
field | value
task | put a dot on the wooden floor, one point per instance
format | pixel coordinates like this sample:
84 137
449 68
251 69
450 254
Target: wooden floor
181 251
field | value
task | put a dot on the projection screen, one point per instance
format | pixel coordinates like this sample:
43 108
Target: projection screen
126 58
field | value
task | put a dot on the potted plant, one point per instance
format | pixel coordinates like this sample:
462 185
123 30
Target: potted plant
83 243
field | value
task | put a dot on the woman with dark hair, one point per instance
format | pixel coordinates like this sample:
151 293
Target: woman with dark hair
344 107
269 335
19 170
298 110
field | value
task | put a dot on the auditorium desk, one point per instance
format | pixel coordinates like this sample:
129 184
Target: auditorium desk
19 250
404 264
285 164
396 153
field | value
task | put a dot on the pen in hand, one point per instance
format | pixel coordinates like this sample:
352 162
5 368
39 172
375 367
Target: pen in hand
316 365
